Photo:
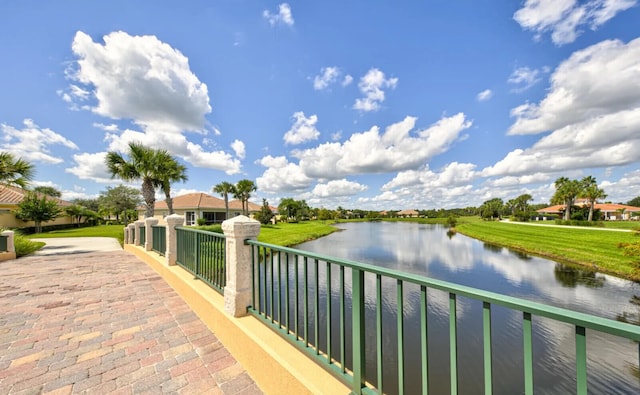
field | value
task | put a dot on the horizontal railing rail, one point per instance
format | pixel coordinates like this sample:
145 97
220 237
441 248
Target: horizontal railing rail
203 254
159 239
291 288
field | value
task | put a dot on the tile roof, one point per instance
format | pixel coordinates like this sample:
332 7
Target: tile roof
200 200
14 195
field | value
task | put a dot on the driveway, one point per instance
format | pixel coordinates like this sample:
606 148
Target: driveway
77 245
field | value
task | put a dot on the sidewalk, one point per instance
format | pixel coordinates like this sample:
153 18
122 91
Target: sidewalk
104 322
505 221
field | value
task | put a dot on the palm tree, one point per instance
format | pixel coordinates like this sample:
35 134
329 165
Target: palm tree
14 171
566 192
243 193
142 165
170 170
224 189
591 192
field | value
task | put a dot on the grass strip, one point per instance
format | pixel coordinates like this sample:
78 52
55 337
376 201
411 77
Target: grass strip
115 231
592 248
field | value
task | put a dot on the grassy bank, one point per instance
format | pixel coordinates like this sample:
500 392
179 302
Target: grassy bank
586 247
290 234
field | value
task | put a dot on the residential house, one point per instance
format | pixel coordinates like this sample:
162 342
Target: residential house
608 211
10 197
198 205
408 213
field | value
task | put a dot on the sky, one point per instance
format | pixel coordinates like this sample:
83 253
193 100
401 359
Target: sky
375 105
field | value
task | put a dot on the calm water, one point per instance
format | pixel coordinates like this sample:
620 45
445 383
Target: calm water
428 250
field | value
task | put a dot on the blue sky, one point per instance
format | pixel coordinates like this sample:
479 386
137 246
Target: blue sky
360 104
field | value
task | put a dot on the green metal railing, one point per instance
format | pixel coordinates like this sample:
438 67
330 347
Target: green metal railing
143 232
159 239
3 243
291 287
203 254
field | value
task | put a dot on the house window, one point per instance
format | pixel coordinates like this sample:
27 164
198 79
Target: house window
190 218
213 217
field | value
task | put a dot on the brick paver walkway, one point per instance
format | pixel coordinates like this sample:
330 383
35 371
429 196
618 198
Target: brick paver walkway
105 323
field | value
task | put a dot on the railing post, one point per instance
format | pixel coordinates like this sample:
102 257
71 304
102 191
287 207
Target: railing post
148 231
358 328
137 225
237 290
11 246
172 246
131 230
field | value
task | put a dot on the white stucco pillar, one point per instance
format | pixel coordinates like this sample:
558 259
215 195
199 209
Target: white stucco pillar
11 244
237 290
136 236
171 254
131 231
126 235
148 232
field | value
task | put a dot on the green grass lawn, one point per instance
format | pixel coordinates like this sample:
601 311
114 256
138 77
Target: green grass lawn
116 231
622 224
289 234
589 247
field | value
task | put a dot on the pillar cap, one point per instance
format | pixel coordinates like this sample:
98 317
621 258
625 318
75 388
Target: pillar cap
241 223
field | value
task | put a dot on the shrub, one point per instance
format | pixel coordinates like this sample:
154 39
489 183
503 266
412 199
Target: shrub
575 222
24 246
201 221
211 228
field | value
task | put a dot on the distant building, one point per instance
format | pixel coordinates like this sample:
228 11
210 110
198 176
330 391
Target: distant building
408 213
199 205
10 197
608 211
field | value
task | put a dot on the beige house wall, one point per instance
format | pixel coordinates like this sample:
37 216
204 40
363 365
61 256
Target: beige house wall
161 214
9 221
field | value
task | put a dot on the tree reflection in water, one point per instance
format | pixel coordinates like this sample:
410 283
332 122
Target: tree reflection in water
570 277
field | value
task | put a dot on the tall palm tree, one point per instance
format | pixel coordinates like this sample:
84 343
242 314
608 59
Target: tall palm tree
592 193
243 192
142 164
566 192
16 172
170 170
224 189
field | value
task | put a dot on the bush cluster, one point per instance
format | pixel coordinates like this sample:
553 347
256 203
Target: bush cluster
575 222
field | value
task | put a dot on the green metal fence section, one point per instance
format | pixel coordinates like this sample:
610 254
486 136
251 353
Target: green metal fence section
3 243
288 292
203 254
143 232
159 239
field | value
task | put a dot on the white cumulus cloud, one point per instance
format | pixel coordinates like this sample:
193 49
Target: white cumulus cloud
565 19
600 80
484 95
143 79
370 152
327 76
32 142
371 85
281 176
302 130
524 78
91 167
284 16
336 188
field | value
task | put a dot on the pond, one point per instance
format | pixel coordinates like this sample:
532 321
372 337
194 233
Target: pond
430 251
